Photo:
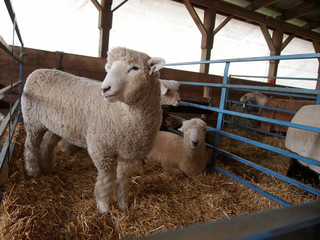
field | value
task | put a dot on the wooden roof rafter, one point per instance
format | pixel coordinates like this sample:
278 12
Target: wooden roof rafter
301 9
250 13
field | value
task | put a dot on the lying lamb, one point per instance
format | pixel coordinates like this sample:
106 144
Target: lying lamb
117 127
182 155
306 144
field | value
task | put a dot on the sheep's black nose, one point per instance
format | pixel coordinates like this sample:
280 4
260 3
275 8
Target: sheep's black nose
106 89
195 143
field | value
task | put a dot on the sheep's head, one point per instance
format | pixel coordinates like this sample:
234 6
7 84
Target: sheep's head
129 75
249 98
169 92
254 98
194 132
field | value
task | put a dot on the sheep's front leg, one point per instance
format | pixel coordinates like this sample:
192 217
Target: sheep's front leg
104 190
123 173
105 186
31 149
48 144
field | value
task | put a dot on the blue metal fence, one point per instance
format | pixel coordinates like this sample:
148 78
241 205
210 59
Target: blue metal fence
11 120
222 111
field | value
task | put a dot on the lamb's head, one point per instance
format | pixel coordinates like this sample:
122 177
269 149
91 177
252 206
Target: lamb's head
129 75
194 133
254 98
169 92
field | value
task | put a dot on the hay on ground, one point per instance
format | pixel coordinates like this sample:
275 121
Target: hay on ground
62 205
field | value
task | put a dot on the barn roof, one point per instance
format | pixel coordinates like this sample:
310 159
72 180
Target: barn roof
300 18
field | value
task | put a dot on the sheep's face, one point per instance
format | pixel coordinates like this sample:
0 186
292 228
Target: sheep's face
170 98
254 98
169 92
128 74
194 133
248 98
117 80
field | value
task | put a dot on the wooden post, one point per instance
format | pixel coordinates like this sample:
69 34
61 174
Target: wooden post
275 46
206 28
105 24
207 44
277 37
316 45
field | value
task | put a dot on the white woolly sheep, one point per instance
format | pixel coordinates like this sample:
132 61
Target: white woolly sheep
305 143
254 98
117 128
182 155
169 96
169 92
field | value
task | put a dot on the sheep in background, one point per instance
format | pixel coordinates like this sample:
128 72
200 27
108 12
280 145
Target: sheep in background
117 128
169 96
287 104
306 144
254 98
169 92
182 155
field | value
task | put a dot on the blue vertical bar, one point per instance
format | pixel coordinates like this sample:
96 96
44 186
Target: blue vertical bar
221 106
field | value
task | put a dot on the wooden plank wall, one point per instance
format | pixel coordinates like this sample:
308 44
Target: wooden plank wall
92 67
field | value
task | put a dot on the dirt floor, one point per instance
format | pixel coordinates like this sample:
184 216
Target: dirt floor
62 205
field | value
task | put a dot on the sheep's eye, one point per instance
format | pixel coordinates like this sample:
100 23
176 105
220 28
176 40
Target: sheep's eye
134 68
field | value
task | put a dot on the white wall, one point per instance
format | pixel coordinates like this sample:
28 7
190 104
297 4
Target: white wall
158 27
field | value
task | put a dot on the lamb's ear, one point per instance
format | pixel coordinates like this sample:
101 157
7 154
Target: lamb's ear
164 89
155 64
107 67
181 129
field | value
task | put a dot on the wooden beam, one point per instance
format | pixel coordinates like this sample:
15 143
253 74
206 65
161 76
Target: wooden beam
277 37
267 37
222 24
286 42
105 24
302 9
207 39
260 4
226 8
316 45
195 17
206 47
97 5
120 5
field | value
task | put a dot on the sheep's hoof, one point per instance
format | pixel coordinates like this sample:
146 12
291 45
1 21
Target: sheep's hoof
123 205
33 172
102 208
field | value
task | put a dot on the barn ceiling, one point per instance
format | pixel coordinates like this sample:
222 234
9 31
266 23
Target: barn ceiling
300 18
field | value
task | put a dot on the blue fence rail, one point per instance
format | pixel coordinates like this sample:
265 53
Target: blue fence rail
222 111
11 120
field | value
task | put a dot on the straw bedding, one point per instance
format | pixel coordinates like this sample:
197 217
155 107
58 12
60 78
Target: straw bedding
62 205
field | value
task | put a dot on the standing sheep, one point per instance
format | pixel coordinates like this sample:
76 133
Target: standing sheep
182 155
254 98
116 128
306 144
169 96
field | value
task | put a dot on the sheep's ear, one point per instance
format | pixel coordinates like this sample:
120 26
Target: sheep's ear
107 67
155 64
164 89
181 129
